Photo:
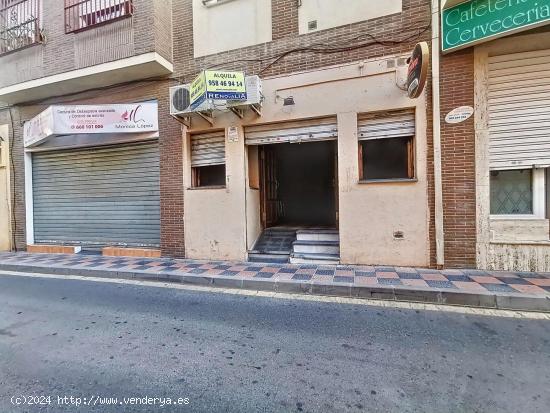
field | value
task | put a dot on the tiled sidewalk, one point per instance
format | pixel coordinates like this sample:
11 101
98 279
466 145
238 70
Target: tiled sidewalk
469 287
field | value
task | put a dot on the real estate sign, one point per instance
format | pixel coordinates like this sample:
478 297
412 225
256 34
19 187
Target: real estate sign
476 21
218 85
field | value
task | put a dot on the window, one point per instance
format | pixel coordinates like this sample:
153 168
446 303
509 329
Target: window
518 192
208 159
82 14
19 24
386 145
387 158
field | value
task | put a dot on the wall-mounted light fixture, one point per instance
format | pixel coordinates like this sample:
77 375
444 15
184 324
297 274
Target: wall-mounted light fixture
289 101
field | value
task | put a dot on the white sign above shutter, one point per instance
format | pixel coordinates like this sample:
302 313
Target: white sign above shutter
91 119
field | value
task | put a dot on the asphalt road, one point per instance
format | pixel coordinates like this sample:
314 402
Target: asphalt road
228 353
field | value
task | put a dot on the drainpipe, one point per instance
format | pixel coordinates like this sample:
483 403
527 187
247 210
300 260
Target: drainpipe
438 186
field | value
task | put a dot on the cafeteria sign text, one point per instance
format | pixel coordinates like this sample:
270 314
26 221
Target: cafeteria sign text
475 21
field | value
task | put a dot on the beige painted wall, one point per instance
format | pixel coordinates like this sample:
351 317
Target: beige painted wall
222 223
5 234
215 224
250 19
330 13
503 244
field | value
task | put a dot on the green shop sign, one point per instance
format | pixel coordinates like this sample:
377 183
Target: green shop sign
476 21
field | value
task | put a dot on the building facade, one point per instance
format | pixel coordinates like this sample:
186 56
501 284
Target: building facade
495 163
337 167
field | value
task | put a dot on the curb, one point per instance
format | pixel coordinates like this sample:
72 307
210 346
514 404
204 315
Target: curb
501 301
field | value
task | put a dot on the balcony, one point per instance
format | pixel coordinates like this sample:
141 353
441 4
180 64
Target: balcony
19 25
67 46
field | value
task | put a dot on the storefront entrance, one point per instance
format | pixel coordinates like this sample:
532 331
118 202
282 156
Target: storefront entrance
298 188
298 184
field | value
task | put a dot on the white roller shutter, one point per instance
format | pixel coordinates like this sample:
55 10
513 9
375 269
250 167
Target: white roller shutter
519 110
383 125
97 196
208 149
293 132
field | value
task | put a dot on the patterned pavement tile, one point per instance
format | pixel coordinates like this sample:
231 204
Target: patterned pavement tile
469 271
541 282
263 274
470 287
222 267
409 276
344 273
418 283
302 277
287 270
452 272
514 281
229 273
197 271
365 274
441 284
308 271
284 276
324 272
248 274
498 288
343 279
366 281
389 281
529 289
325 279
461 278
481 279
272 270
387 274
434 277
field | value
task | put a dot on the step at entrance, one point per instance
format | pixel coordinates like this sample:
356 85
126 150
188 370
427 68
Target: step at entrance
316 246
274 245
317 235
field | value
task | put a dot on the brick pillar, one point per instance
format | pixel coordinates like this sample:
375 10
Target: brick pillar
458 160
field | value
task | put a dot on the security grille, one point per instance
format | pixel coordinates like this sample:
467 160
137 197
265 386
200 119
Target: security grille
518 116
208 149
97 196
382 125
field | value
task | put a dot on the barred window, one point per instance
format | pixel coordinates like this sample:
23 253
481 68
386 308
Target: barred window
19 24
83 14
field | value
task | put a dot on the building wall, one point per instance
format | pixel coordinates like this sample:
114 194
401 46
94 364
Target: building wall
329 14
148 30
170 143
348 43
5 196
231 25
222 223
458 160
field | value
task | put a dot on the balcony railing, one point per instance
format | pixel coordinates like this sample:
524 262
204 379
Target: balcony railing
19 24
84 14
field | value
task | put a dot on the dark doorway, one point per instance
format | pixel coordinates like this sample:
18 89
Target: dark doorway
298 184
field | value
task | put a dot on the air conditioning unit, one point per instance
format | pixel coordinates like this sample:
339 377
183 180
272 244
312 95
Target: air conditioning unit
254 95
180 100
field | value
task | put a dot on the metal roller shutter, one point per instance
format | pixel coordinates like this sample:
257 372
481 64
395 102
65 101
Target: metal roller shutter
518 116
293 132
208 149
386 125
98 196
